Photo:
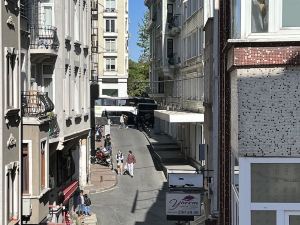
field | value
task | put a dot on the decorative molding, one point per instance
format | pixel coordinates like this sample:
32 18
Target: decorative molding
11 142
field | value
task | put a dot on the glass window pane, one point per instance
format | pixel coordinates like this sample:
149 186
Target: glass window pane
112 26
48 15
236 19
263 217
294 220
107 25
290 13
259 16
275 182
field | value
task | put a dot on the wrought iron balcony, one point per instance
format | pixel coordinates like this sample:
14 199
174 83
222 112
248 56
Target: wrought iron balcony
173 21
43 37
36 104
173 59
53 127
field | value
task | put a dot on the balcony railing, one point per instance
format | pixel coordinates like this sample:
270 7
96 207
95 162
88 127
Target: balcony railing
53 127
173 59
173 21
36 104
43 37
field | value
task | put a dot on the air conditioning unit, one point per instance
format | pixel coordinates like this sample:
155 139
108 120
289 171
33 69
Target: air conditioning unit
26 209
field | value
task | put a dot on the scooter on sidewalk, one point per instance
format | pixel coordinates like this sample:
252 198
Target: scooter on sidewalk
103 157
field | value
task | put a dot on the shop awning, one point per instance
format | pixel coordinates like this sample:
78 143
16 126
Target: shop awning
179 117
69 191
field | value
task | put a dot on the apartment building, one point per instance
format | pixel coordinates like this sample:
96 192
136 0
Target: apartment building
55 107
176 71
259 112
110 46
10 126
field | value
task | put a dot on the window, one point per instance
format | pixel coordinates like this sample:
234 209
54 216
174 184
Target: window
110 45
259 16
25 168
110 25
76 22
194 44
265 19
12 191
66 87
266 217
67 17
43 164
110 92
110 64
110 5
47 80
11 79
170 48
275 182
77 90
290 13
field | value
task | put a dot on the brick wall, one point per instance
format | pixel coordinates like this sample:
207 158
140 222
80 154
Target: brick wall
265 118
262 56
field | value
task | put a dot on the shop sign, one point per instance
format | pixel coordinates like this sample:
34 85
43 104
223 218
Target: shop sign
183 204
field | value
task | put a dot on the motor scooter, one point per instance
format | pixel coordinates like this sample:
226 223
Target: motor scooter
103 157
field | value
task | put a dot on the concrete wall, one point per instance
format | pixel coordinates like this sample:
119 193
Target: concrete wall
9 37
265 111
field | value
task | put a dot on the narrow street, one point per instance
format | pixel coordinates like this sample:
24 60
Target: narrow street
137 200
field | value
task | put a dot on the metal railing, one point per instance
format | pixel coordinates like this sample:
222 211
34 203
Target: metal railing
173 59
43 37
36 104
173 21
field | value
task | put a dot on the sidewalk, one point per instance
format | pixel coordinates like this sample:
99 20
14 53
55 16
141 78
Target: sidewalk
168 153
102 178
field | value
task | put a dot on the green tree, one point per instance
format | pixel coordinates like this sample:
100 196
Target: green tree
144 38
137 84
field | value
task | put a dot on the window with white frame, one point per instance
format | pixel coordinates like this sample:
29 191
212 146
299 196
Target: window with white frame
200 42
43 164
110 25
12 192
110 45
67 17
110 5
82 93
11 78
110 64
194 44
66 90
77 91
76 21
263 17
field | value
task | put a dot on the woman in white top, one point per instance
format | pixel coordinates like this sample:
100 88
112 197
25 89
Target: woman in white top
120 159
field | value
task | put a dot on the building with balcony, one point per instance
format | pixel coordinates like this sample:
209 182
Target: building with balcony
10 125
55 106
176 72
110 22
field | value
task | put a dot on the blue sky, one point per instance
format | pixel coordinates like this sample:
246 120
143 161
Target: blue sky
136 13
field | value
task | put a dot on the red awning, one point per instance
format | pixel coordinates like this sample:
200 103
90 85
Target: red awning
69 191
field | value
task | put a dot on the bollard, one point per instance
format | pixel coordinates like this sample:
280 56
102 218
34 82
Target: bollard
101 178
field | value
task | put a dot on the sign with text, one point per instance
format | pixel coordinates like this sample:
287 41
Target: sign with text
183 204
185 180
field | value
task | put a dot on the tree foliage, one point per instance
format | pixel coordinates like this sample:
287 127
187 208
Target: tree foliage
138 79
144 38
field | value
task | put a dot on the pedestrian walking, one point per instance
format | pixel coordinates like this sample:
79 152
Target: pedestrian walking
122 123
130 163
81 203
119 159
87 205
